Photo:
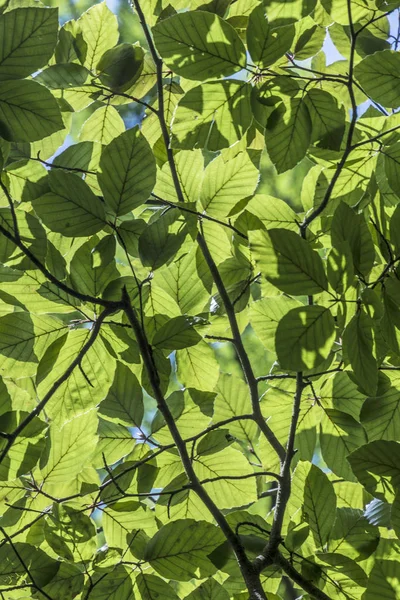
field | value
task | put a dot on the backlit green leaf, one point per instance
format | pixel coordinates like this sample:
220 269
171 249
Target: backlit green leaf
214 115
28 35
319 504
71 208
28 111
288 262
182 547
304 337
127 172
199 45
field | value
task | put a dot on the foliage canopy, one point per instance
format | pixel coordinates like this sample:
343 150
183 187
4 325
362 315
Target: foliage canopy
200 387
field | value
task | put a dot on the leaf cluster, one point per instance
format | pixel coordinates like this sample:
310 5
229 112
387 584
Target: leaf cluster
136 459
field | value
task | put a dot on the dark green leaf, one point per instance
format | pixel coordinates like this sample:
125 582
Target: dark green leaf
28 111
29 36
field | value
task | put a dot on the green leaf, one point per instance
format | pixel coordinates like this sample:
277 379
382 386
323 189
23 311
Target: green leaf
24 339
199 45
128 172
358 350
273 212
115 585
327 118
120 66
123 519
233 400
288 262
93 266
209 590
352 535
67 583
383 580
63 76
265 315
395 514
15 559
124 401
27 179
32 234
375 461
197 367
98 28
214 115
230 489
176 334
159 242
378 74
115 442
266 45
75 396
304 337
28 111
391 160
102 126
283 13
381 415
288 134
339 435
189 166
341 393
344 568
180 280
319 505
181 548
152 587
28 37
340 267
350 227
226 183
71 208
69 448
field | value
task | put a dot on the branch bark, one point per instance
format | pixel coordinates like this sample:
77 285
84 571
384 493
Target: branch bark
250 575
268 556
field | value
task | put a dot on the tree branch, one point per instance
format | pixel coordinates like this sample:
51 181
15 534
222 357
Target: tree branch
268 555
249 574
348 149
240 350
295 576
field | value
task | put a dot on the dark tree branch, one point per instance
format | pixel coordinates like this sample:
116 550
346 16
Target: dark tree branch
295 576
348 149
268 556
249 574
240 350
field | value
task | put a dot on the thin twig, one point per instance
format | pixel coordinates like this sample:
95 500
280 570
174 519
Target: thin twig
268 555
